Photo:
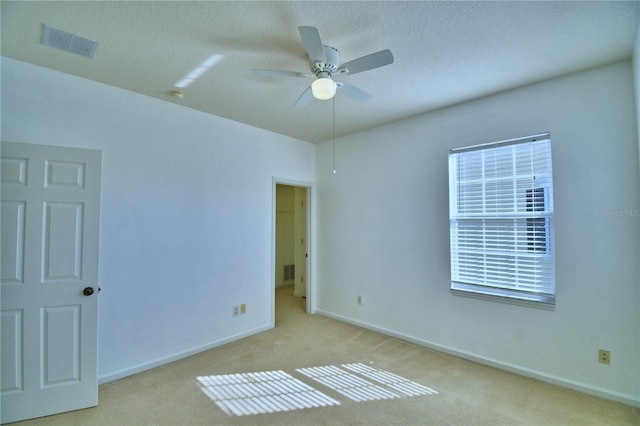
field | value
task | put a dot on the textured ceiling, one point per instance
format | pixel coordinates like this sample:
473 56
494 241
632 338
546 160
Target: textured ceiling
445 52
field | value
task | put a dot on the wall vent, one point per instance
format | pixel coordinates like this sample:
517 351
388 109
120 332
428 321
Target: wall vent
289 272
68 42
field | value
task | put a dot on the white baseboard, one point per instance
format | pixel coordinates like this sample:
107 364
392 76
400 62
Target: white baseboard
522 371
129 371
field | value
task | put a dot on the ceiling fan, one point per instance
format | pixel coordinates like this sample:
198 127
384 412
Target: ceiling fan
324 62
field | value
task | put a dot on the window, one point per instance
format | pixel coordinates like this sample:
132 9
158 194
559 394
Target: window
501 221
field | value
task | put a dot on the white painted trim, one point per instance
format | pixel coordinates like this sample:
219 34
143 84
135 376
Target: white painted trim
178 356
511 368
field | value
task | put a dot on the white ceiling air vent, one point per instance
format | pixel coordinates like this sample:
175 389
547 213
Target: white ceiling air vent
63 40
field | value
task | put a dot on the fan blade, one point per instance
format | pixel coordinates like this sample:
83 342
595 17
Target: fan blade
312 44
305 98
369 62
279 73
353 92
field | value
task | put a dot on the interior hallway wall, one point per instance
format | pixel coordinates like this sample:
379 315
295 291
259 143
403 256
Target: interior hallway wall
384 225
186 215
636 79
285 232
300 241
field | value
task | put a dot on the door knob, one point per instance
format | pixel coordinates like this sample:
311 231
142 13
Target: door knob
88 291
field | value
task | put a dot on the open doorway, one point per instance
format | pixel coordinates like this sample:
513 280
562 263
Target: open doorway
291 246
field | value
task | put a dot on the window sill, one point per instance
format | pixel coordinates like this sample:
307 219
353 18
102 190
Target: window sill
504 296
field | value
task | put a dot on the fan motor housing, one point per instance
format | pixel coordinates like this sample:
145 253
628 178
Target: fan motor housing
332 56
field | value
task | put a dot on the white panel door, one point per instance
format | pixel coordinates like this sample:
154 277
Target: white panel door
49 279
300 248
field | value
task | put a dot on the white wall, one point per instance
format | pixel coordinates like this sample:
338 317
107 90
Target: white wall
186 211
384 233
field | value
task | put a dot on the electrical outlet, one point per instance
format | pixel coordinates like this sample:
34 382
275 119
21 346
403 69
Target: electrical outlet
604 356
359 300
236 311
243 309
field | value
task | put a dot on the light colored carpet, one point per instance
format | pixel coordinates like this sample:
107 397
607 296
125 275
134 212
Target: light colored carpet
467 393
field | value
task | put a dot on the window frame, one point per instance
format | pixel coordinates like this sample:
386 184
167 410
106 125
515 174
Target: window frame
539 246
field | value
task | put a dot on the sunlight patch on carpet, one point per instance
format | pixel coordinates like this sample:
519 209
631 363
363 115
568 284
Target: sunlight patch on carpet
400 384
261 392
349 385
276 391
356 388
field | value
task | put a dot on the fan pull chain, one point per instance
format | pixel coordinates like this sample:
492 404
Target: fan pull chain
334 135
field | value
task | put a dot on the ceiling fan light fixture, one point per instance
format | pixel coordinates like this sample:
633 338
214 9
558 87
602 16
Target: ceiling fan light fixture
323 88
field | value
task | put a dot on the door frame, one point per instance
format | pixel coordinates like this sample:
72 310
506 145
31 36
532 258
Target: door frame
310 243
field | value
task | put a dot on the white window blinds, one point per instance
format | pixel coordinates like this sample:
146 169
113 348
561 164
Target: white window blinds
501 219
